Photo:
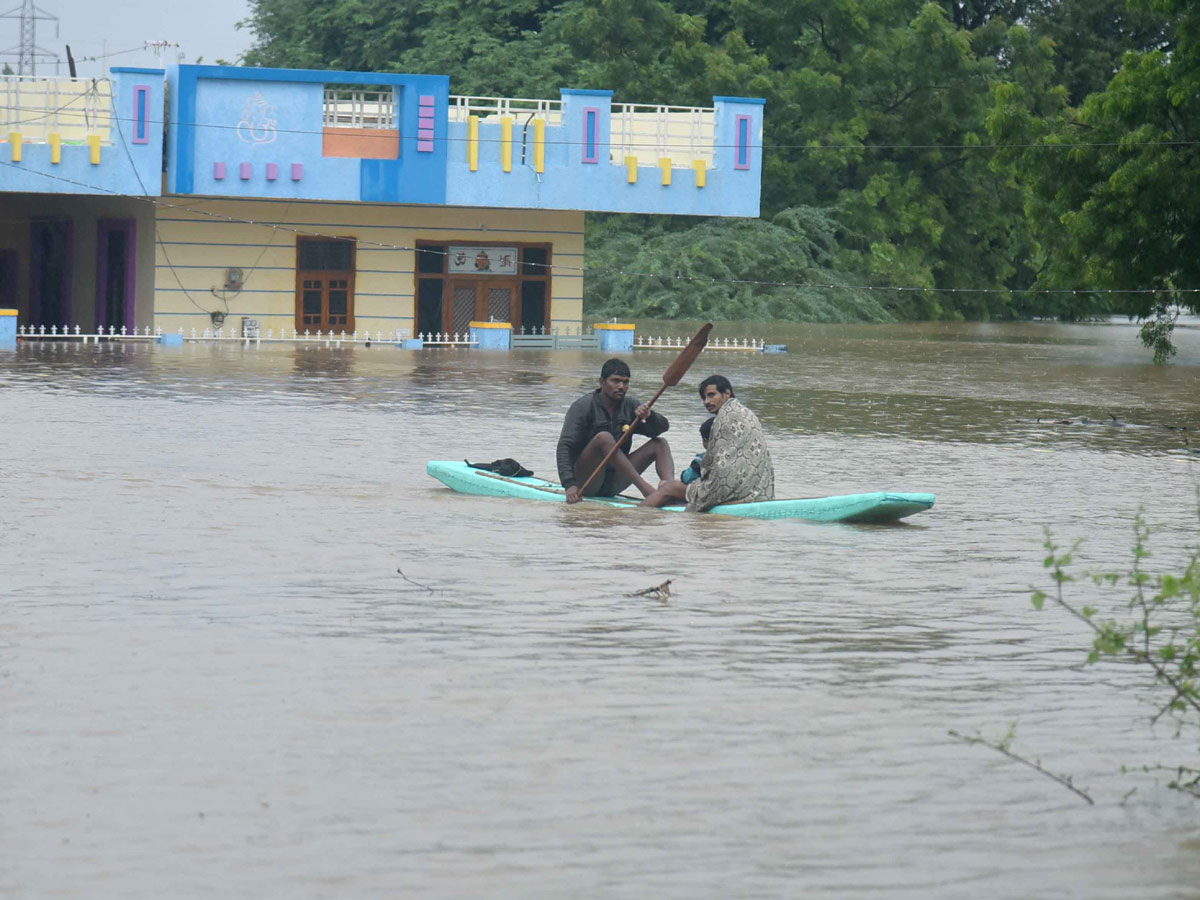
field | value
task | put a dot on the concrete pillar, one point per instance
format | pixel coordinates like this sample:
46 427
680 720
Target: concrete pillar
614 337
491 335
8 329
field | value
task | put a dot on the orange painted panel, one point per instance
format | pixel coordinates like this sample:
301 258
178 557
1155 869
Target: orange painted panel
361 143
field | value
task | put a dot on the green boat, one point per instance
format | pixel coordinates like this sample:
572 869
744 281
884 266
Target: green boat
880 506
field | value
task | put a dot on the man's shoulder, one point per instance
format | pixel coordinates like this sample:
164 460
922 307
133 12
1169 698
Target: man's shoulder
582 405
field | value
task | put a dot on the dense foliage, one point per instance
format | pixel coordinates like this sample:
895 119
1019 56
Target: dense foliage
1013 145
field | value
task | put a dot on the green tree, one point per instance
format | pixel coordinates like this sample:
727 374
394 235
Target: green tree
745 269
1112 187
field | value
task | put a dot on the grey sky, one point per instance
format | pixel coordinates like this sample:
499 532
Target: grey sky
203 28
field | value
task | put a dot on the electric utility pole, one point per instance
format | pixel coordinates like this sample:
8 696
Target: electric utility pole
28 53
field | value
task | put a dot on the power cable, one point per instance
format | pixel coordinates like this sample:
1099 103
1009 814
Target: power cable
693 279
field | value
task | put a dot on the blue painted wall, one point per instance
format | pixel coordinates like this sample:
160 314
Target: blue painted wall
569 183
231 115
125 167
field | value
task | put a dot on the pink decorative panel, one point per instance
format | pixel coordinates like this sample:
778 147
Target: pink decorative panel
591 131
741 159
426 100
297 171
246 170
425 146
219 171
425 134
272 171
141 114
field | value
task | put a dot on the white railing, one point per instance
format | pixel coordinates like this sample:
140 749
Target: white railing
360 109
446 339
74 108
749 345
520 108
682 134
53 332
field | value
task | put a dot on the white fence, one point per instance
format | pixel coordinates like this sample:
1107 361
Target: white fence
749 345
682 134
520 108
561 337
360 109
329 338
36 107
651 133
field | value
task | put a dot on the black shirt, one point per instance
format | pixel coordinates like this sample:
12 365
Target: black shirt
587 417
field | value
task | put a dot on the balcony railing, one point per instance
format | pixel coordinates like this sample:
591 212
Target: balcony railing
682 134
74 108
360 109
462 107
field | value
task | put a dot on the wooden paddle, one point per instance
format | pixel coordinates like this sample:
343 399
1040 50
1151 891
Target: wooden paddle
672 376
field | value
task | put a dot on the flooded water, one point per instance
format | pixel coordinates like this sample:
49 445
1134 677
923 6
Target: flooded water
249 649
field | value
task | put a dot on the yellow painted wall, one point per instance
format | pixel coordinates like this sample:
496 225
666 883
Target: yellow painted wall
17 211
198 242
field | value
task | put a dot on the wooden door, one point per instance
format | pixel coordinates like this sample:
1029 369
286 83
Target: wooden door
325 284
477 300
325 302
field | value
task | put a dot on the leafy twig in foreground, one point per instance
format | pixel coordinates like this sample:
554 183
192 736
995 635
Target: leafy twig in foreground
1003 747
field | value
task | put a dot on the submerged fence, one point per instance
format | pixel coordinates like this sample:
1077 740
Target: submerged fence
524 339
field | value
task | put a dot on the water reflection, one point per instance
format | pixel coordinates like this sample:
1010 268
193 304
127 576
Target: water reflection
209 538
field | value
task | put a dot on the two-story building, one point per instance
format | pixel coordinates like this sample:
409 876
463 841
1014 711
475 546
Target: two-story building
313 200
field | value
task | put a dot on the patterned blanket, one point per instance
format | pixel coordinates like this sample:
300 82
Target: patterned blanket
737 467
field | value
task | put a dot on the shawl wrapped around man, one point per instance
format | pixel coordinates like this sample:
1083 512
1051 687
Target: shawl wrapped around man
736 467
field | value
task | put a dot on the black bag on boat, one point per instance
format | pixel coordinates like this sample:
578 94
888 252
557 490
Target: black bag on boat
508 467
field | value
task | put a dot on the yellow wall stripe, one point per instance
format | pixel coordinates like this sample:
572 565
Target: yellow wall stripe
14 143
665 165
55 148
473 143
701 172
539 145
631 169
94 143
506 129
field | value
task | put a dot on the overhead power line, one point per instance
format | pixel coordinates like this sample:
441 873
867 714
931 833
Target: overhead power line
553 267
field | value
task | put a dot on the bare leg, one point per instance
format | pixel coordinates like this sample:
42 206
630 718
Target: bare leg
625 471
668 493
660 451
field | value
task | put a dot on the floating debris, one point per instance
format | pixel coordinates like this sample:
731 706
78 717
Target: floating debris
658 592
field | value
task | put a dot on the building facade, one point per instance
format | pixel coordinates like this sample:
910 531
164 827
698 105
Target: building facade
329 201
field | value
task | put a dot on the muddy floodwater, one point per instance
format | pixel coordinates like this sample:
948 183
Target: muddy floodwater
249 649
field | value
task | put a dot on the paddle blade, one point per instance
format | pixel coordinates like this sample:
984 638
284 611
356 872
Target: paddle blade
688 356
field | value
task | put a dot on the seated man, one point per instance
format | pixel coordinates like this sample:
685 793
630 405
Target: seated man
594 423
736 467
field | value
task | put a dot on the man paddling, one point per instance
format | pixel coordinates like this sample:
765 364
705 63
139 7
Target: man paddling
592 426
736 467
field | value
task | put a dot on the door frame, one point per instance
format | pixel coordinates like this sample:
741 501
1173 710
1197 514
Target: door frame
105 227
325 275
36 307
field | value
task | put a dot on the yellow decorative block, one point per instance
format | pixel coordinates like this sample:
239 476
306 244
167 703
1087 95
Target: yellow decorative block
665 165
506 129
93 141
473 143
701 172
14 143
55 148
631 166
539 145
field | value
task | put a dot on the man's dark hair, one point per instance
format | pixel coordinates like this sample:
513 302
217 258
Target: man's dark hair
706 427
615 367
720 382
